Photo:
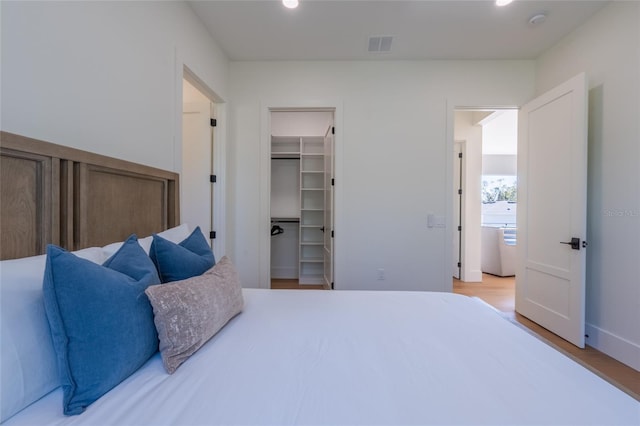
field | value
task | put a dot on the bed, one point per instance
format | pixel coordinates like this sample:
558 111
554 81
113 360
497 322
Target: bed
313 357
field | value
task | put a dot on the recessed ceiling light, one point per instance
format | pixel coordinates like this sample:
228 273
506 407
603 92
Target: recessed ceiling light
503 2
291 4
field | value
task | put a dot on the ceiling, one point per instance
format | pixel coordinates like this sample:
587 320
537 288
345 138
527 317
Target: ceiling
425 29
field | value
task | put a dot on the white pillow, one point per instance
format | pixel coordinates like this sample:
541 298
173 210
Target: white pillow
175 235
28 361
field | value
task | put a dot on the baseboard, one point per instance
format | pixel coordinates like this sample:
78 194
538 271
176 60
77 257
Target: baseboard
615 346
472 276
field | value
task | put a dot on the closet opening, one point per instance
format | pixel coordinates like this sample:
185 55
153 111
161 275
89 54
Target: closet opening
301 199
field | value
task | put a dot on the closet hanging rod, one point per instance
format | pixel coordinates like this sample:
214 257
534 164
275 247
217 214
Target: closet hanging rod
285 221
285 158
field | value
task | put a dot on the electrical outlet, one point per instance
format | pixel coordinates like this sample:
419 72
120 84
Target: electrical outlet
381 274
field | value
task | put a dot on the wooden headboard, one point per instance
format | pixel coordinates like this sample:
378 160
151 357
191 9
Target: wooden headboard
75 199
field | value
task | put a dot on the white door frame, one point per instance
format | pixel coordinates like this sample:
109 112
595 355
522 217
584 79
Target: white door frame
264 226
219 149
328 207
197 150
459 174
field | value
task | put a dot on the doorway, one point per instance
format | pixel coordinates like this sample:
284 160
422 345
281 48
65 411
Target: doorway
301 198
484 199
552 172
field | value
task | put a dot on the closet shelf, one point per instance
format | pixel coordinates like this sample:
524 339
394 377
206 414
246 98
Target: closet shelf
285 219
312 260
285 155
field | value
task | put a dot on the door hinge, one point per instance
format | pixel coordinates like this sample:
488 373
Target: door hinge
212 178
459 228
331 285
333 130
459 264
332 234
333 182
459 191
214 122
212 235
459 155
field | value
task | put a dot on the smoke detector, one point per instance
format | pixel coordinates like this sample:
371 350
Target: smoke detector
537 19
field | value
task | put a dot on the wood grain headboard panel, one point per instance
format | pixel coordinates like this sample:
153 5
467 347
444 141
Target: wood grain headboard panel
76 199
26 215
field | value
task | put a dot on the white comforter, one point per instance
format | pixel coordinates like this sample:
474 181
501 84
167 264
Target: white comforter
342 358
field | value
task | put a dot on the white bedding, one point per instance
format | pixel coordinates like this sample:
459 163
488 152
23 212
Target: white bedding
338 357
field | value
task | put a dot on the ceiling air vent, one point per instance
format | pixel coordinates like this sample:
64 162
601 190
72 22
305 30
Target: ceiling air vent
380 44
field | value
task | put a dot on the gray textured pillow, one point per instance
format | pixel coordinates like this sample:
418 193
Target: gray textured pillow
188 313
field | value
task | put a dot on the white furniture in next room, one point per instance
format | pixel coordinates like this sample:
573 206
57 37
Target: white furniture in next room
499 251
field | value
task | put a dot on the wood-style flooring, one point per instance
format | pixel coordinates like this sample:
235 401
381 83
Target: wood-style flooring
282 284
500 293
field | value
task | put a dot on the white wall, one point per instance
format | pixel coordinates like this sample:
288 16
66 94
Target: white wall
500 133
300 123
503 165
393 157
608 49
104 76
191 94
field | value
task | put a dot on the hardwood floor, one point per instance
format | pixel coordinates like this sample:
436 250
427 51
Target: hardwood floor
282 284
500 293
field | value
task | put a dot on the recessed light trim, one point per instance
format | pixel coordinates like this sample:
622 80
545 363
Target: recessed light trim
290 4
503 2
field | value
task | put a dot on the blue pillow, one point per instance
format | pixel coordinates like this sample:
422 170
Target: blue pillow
176 262
100 318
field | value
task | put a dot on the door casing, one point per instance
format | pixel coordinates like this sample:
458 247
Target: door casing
264 226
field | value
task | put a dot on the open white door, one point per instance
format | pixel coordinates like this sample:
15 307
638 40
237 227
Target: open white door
197 154
457 209
552 209
328 207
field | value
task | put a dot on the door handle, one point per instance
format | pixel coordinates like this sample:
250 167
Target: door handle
574 243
